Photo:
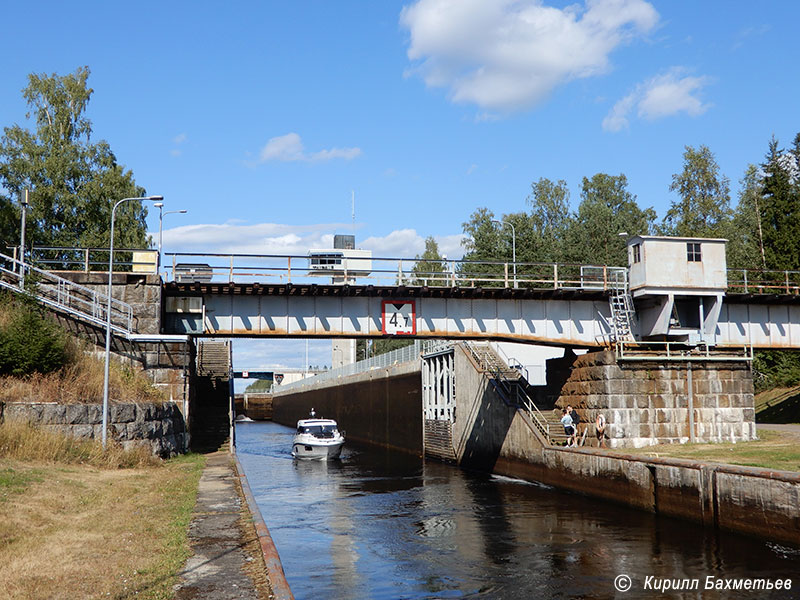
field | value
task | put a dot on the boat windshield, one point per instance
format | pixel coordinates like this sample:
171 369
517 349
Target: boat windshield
318 430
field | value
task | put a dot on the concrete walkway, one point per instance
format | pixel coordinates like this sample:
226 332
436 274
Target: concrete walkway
217 569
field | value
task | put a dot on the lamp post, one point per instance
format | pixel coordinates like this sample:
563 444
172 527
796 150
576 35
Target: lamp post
108 310
23 201
160 206
513 245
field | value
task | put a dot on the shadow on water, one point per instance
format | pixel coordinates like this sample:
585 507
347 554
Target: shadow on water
383 525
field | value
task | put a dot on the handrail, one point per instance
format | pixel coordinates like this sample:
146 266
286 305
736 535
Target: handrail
500 381
382 361
87 260
679 352
443 272
65 295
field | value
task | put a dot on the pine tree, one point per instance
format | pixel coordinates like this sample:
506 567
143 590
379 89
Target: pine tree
780 214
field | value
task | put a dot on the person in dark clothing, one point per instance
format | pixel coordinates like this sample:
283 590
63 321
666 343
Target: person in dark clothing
576 420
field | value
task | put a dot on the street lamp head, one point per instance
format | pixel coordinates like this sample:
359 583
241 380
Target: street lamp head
158 204
156 198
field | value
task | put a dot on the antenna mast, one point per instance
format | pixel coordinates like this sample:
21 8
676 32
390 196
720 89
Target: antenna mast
353 201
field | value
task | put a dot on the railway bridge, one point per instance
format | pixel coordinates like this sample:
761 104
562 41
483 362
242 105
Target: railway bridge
675 303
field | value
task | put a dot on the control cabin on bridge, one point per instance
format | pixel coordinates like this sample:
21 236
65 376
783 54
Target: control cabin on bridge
677 285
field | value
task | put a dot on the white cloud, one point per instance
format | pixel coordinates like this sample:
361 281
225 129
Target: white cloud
661 96
510 54
295 240
262 238
407 243
178 140
289 148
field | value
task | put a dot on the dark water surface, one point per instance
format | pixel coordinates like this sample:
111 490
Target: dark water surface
379 525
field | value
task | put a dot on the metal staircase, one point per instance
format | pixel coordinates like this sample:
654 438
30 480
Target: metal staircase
77 301
508 383
623 313
214 359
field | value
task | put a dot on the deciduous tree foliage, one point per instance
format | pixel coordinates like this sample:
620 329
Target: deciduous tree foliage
549 221
73 182
607 209
703 206
745 248
429 268
482 242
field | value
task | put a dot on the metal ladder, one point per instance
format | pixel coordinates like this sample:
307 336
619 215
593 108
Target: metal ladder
623 313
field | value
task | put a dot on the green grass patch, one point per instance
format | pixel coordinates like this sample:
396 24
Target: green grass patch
774 450
15 481
157 581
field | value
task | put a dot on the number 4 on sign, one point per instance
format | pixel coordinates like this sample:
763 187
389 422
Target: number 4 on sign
399 318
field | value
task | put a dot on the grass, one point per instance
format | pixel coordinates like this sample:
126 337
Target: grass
91 525
778 450
81 381
14 481
23 441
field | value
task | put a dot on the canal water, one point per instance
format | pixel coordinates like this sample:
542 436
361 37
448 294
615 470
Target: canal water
380 525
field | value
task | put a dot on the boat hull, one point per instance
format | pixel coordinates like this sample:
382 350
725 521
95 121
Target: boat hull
316 451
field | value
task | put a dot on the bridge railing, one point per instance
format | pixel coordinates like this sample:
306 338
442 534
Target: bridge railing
58 258
284 268
679 352
759 281
297 269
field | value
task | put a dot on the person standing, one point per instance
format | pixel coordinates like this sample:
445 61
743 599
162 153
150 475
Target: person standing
569 427
600 430
576 420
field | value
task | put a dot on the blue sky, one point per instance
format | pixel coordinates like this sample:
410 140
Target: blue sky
261 118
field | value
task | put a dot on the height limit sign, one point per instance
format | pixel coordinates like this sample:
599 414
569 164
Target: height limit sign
399 318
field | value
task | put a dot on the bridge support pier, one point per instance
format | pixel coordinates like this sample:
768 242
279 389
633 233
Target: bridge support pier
650 402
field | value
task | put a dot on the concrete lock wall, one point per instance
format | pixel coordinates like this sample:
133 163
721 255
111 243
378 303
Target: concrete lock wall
381 407
159 427
741 499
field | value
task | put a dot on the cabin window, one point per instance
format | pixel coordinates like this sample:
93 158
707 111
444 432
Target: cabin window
636 253
326 259
693 253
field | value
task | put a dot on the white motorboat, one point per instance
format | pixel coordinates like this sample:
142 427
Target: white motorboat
317 439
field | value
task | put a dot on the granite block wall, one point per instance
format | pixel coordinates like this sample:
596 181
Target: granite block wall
160 427
647 403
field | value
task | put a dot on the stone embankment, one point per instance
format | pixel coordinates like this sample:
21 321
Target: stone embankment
161 427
